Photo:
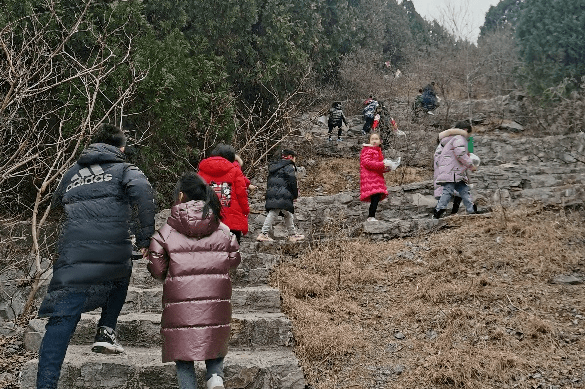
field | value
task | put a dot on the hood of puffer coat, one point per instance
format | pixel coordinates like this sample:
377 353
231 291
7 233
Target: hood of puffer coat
187 218
279 164
215 166
97 153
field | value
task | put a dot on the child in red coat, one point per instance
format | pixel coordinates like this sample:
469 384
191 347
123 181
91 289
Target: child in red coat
372 169
229 183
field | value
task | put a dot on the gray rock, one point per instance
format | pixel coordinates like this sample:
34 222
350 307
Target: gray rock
34 334
423 201
511 126
566 280
399 335
8 328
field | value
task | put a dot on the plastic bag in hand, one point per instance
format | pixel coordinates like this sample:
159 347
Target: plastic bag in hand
474 159
390 164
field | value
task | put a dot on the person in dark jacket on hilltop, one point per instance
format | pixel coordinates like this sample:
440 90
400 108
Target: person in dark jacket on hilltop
281 191
369 113
229 183
94 265
336 119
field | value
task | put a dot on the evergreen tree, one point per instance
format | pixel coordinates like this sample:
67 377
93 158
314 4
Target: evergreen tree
550 38
503 15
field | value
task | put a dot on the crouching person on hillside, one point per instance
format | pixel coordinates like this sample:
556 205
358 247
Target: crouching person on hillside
193 254
281 191
451 165
94 264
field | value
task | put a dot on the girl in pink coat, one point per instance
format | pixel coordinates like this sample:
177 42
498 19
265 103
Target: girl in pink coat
372 168
193 254
451 165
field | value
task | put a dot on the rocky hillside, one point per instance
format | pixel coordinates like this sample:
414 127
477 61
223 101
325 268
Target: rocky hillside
390 287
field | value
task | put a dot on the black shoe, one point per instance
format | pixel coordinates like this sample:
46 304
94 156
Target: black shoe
105 342
438 214
479 211
456 204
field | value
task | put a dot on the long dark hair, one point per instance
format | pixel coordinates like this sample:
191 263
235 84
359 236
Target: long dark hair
195 188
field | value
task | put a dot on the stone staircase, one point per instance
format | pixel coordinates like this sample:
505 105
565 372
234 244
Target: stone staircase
260 354
514 170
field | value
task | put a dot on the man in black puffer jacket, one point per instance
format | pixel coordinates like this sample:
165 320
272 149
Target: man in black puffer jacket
98 194
281 191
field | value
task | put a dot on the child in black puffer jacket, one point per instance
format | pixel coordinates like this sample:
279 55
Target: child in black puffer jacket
336 118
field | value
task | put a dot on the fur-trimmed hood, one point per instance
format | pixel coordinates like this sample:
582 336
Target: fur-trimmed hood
453 132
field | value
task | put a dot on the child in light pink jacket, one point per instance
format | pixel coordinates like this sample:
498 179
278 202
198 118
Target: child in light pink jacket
451 165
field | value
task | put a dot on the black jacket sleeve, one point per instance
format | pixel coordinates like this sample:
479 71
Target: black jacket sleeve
141 197
291 180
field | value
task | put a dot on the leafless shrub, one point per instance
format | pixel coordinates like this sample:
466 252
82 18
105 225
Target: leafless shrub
256 139
52 101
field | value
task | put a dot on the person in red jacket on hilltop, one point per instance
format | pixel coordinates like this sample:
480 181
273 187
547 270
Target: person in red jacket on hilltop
372 168
229 183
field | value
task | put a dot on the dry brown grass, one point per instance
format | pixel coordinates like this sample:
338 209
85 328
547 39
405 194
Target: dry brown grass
335 175
473 302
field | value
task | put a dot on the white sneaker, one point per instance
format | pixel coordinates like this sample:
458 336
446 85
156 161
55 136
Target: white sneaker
215 382
371 219
264 238
296 237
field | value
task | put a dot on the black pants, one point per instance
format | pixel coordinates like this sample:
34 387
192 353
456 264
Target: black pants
333 125
368 124
238 235
61 326
374 200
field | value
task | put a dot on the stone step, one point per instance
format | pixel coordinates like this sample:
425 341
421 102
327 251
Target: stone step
251 259
240 278
142 368
252 277
249 330
245 299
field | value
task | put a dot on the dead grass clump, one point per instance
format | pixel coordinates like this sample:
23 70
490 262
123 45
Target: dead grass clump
332 176
407 175
469 306
302 283
336 175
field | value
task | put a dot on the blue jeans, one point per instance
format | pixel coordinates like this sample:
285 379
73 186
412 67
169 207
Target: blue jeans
61 326
186 372
449 188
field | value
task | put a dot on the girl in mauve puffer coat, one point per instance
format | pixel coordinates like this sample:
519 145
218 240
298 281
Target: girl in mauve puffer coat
193 253
372 168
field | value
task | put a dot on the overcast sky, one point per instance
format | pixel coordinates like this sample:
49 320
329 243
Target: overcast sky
469 14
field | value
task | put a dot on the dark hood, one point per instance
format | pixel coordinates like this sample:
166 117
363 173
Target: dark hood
279 165
187 218
97 153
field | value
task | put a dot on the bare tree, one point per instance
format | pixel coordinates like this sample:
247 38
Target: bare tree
52 99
